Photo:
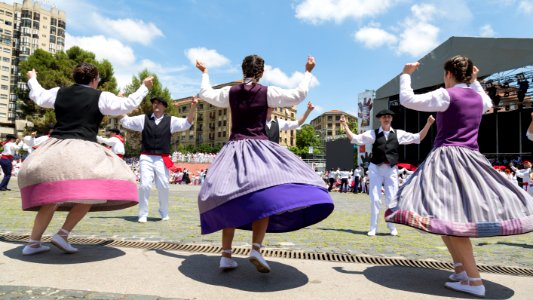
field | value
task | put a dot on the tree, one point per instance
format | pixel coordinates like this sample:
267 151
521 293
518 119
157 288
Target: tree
56 70
306 137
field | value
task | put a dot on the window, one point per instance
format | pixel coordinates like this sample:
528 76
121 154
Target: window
224 134
219 134
224 123
3 96
337 118
3 106
6 50
6 59
9 14
330 118
4 87
4 77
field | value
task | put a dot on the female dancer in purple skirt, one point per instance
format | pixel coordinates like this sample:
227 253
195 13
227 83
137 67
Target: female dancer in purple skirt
254 183
70 171
455 192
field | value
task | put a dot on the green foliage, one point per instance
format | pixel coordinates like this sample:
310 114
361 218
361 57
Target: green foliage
55 70
306 137
204 148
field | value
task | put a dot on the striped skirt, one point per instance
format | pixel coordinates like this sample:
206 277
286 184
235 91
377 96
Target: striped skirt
69 171
456 192
253 179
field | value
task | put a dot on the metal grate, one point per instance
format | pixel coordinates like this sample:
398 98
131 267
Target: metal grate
280 253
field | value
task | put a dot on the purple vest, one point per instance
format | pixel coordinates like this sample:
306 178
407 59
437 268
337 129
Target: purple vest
248 111
459 124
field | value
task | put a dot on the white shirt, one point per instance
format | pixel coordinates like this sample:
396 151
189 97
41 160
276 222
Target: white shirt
523 173
358 172
283 125
136 123
34 142
11 148
344 174
276 97
117 146
403 137
108 103
437 100
529 135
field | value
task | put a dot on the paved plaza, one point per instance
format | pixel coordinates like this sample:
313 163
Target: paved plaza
104 272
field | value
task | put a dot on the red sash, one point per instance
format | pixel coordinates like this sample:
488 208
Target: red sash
5 156
166 158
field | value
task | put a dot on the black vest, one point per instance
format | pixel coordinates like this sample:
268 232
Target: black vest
77 113
385 150
156 138
273 131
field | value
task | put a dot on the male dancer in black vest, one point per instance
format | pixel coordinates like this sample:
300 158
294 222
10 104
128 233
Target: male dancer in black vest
382 169
156 129
273 127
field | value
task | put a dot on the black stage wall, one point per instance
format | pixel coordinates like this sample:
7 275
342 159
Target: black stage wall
339 154
501 134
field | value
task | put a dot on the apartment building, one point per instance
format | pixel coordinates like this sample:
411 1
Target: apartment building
328 123
24 28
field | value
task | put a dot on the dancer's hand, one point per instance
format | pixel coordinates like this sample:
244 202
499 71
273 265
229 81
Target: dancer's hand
194 102
120 94
532 115
343 120
310 106
201 66
475 70
31 74
310 63
149 82
410 68
34 134
431 119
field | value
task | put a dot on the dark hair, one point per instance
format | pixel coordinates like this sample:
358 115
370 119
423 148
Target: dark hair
84 73
253 67
461 68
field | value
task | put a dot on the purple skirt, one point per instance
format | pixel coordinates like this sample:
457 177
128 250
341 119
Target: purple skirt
253 179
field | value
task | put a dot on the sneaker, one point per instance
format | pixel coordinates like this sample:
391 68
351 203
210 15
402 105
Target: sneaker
142 219
371 232
476 290
165 218
63 245
394 232
227 263
29 250
458 276
258 261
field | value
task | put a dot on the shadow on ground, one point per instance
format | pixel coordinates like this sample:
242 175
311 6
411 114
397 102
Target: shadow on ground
203 268
87 253
353 231
126 218
423 281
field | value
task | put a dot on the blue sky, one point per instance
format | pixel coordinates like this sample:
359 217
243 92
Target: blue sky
358 44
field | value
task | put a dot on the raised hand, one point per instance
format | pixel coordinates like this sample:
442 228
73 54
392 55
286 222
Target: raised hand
31 74
148 82
475 71
201 66
310 64
194 101
310 106
431 119
410 68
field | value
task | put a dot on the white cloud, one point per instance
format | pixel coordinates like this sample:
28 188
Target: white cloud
131 30
277 77
104 48
419 36
374 37
319 109
525 6
210 57
486 31
319 11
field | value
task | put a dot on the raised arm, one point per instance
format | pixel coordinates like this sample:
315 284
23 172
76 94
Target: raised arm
43 98
437 100
278 97
425 130
530 129
135 123
366 137
192 111
218 97
113 105
310 108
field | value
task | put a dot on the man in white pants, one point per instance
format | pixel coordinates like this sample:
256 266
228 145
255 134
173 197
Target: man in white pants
382 169
156 129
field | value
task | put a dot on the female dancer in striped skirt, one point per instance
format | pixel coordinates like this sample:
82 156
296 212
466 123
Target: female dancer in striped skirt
455 192
254 183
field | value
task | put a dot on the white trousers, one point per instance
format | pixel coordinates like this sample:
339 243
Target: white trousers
153 169
379 175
